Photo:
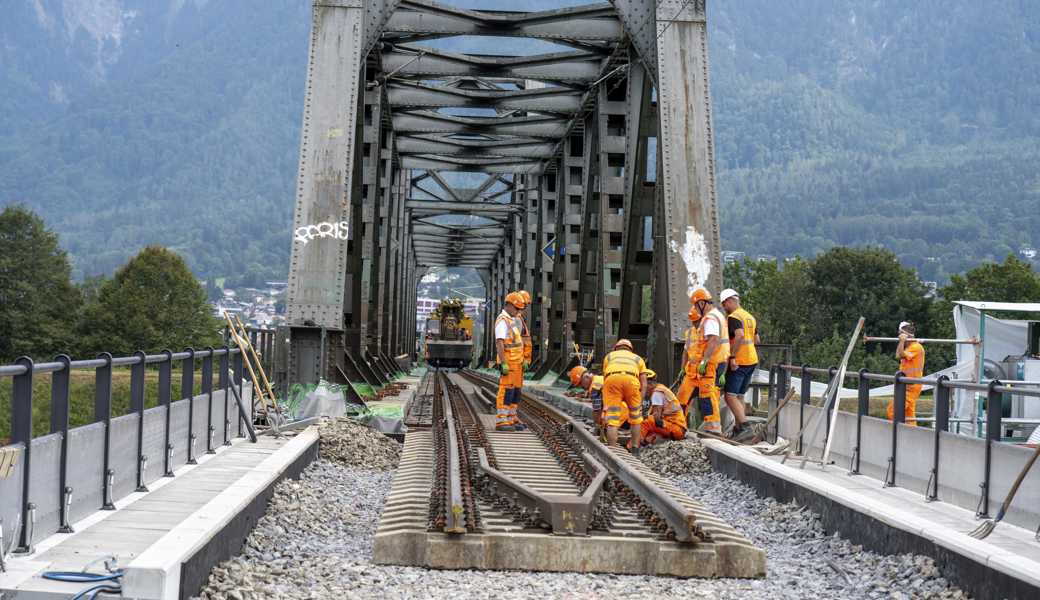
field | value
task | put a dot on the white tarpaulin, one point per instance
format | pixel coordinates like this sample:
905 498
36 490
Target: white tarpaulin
1001 338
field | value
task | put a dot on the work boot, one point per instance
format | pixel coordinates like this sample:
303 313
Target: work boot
505 428
520 427
636 452
742 433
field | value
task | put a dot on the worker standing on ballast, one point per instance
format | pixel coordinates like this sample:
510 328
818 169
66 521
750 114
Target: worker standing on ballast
710 350
593 386
624 382
910 353
509 348
743 358
666 420
689 383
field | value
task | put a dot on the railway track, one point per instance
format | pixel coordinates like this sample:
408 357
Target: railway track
552 497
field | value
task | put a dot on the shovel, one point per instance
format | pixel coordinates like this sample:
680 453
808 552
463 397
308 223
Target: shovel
986 528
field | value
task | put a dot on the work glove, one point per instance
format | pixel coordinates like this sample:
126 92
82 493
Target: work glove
702 368
504 369
722 379
527 365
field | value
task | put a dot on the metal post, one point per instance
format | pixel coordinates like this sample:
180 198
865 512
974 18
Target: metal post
827 405
188 393
225 385
774 398
239 368
942 423
862 408
898 416
806 393
165 395
994 415
60 424
103 413
207 390
21 433
137 405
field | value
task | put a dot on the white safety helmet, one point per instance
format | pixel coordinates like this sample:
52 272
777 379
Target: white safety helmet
727 294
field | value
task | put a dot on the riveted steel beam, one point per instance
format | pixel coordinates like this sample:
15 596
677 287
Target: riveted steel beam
592 22
421 121
482 165
409 94
465 207
572 67
446 145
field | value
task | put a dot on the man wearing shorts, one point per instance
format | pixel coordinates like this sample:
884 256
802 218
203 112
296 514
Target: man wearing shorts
743 358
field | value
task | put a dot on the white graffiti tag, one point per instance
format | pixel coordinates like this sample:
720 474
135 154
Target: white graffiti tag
339 231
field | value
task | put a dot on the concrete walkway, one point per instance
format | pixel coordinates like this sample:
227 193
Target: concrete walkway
151 534
897 519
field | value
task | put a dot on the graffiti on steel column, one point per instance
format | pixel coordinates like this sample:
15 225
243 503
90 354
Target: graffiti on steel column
326 230
695 256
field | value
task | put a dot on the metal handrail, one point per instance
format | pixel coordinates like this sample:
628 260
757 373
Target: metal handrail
944 386
231 377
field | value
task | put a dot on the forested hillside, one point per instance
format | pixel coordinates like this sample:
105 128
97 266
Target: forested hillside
911 125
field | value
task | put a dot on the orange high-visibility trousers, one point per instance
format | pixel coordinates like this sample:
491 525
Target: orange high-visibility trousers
913 392
508 396
621 389
666 429
686 390
708 399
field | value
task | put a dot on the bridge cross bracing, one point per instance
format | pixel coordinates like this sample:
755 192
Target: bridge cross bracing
582 172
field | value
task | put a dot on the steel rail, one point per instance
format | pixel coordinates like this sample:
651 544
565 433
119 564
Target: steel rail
455 511
681 520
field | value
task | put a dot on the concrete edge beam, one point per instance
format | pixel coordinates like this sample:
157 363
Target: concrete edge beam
178 565
976 566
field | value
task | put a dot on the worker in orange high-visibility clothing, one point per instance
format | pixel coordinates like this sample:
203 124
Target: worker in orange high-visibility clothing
525 332
509 349
689 383
666 420
593 386
624 379
711 350
910 353
743 358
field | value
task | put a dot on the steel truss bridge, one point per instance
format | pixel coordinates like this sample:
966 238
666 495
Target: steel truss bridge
591 171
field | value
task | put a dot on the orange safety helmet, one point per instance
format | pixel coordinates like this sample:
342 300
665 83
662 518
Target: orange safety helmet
515 299
577 373
699 294
525 296
694 314
650 374
623 343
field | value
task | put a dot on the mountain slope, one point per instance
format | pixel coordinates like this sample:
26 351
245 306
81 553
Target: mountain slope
910 125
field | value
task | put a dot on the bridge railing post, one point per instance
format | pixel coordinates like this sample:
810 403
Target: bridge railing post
188 393
942 423
103 414
862 409
225 385
806 396
898 417
22 433
239 369
207 391
165 400
994 425
60 394
137 378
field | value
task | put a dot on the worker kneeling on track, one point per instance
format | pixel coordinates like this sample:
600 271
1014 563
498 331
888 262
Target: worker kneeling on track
593 386
710 350
666 420
509 347
624 379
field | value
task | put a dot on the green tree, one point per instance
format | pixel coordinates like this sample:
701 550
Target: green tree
153 302
38 302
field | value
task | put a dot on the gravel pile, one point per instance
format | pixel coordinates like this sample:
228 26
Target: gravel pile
350 443
316 542
677 459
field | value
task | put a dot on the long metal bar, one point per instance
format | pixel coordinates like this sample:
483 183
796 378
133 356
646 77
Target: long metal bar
973 341
456 507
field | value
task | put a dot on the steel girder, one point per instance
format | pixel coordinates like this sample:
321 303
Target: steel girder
573 128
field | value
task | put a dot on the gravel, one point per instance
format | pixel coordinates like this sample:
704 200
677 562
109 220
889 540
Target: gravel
348 442
677 459
316 542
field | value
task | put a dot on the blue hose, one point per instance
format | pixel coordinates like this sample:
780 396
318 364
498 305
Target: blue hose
103 581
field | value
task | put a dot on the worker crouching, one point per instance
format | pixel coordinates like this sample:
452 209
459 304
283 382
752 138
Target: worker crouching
509 347
666 420
624 382
593 386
